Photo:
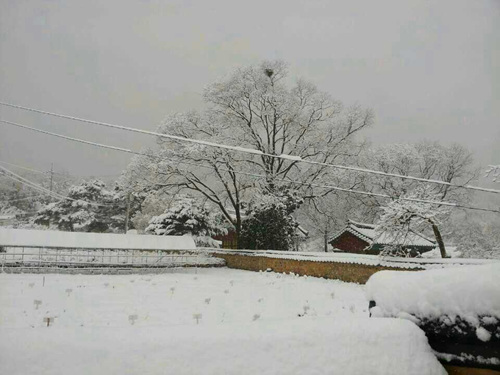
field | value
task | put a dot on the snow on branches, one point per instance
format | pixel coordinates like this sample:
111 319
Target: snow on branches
255 107
493 171
186 216
402 219
92 208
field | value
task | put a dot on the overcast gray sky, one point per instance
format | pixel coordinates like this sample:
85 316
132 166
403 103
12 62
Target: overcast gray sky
429 69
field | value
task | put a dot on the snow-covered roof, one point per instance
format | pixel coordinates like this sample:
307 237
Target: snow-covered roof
367 233
78 240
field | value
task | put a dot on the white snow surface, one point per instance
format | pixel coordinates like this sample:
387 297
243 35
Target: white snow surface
469 292
44 238
248 323
451 251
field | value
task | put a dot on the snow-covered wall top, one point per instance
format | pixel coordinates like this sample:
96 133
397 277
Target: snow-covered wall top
42 238
369 260
469 292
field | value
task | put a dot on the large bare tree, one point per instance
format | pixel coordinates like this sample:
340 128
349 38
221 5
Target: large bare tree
255 107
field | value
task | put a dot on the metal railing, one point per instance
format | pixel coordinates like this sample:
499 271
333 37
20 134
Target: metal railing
42 257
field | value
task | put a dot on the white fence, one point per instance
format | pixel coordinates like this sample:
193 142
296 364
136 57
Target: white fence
25 250
104 258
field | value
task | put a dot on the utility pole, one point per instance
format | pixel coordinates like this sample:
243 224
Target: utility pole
128 212
51 176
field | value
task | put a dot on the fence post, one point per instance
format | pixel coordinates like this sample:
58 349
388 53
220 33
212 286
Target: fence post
39 257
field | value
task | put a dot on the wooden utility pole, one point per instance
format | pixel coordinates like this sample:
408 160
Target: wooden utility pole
128 212
51 176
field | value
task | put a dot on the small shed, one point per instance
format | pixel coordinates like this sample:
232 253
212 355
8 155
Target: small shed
360 238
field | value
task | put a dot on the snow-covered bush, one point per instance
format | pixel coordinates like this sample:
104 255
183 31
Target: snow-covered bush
186 216
153 205
457 308
91 208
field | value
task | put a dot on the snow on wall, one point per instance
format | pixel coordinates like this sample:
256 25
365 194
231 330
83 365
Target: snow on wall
369 260
42 238
468 292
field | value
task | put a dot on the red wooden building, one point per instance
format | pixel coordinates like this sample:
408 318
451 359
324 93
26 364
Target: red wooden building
360 238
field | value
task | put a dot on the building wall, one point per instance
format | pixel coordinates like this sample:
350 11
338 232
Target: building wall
350 243
229 240
350 272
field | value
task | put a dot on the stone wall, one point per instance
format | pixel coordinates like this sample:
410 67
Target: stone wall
354 273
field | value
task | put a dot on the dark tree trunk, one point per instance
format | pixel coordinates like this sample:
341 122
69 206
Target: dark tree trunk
439 239
326 241
237 233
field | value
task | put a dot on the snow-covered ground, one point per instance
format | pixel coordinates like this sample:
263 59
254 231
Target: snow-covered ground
200 321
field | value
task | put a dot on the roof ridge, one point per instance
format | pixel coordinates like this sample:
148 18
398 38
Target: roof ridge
361 225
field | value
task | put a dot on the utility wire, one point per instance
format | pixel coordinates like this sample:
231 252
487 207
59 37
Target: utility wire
13 176
29 183
249 150
21 199
26 168
360 192
67 177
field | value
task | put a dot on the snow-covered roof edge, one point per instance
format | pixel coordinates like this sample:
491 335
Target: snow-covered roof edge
366 232
75 240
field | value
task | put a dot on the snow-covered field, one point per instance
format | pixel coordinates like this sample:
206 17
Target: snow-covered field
200 321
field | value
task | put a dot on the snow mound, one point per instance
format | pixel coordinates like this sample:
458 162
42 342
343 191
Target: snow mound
470 292
340 346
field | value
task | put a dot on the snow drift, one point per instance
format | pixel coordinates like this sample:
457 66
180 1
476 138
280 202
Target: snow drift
340 346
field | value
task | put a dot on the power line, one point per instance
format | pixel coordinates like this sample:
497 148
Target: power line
251 151
13 176
359 192
67 177
22 180
26 168
35 187
21 199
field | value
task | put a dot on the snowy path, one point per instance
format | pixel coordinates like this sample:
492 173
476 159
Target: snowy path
212 321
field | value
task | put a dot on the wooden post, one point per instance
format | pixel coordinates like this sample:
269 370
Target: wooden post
128 212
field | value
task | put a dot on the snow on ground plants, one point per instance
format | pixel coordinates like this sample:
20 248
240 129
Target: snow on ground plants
206 321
